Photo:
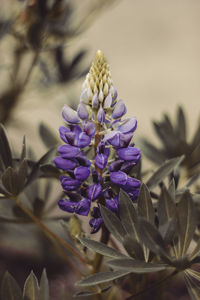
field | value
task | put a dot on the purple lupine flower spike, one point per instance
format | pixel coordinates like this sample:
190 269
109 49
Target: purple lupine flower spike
98 153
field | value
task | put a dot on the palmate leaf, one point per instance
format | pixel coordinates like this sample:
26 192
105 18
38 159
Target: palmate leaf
187 222
162 172
135 266
133 247
10 290
44 287
102 277
31 288
128 215
100 248
192 287
166 208
145 206
113 224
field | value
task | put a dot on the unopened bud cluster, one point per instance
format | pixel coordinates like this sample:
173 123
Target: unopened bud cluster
98 154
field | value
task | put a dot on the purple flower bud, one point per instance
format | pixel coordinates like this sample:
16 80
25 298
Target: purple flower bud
113 138
95 224
83 161
68 151
81 173
113 92
119 109
89 128
64 164
94 191
128 125
108 101
62 131
69 183
70 115
119 178
82 111
101 161
83 140
112 204
83 207
132 183
129 154
84 96
127 166
115 166
95 101
68 206
101 115
134 194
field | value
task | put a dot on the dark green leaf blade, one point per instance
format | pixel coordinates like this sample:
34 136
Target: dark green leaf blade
5 151
102 277
100 248
181 129
47 136
113 224
44 287
166 207
145 206
10 289
166 168
128 215
31 288
133 247
193 289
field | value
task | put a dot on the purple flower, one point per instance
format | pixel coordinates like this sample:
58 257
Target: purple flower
68 151
95 224
115 166
118 139
94 191
129 154
64 164
83 207
81 173
83 140
62 131
68 206
119 110
119 178
89 128
82 111
95 101
101 115
113 204
69 183
101 161
83 161
128 125
70 115
108 101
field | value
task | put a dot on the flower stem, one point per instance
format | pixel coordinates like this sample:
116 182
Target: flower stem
50 234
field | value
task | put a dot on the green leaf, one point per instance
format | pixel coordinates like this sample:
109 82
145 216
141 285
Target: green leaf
151 152
10 290
135 266
161 173
128 215
187 222
50 171
23 151
47 136
31 288
172 189
44 287
181 125
133 247
166 208
9 180
88 293
100 248
196 251
22 174
193 289
102 277
5 151
145 206
113 224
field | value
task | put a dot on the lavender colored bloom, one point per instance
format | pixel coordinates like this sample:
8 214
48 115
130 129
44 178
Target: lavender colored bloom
119 110
83 207
101 161
95 101
129 125
83 161
94 191
69 183
64 164
134 194
112 204
101 115
89 128
129 154
68 206
82 111
95 224
81 173
68 151
127 166
70 115
83 140
119 178
62 131
108 101
132 183
116 165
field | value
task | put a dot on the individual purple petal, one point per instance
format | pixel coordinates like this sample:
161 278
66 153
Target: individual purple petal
68 151
112 204
134 194
108 101
113 92
64 164
128 125
68 206
119 109
129 154
95 101
82 111
83 140
101 115
119 178
70 115
81 173
115 166
96 177
89 128
113 138
96 212
102 149
76 129
132 183
83 161
94 191
83 207
62 131
69 183
127 166
95 224
101 161
84 96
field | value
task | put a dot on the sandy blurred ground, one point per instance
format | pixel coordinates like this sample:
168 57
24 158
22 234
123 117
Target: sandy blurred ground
152 47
